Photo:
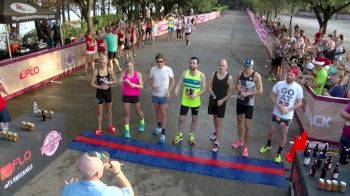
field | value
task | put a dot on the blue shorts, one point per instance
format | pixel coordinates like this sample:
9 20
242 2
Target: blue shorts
159 100
5 115
170 29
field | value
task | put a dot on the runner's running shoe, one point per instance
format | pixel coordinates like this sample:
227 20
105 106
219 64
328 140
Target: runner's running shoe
215 147
245 152
264 149
111 129
157 131
98 132
237 144
178 138
278 158
161 139
213 136
127 134
191 139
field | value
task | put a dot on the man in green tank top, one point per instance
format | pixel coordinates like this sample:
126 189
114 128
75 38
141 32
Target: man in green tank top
194 85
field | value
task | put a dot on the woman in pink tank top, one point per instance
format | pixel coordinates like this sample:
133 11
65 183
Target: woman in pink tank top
132 83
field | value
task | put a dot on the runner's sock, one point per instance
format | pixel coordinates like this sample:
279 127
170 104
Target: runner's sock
268 143
159 124
127 127
279 150
163 131
142 121
186 42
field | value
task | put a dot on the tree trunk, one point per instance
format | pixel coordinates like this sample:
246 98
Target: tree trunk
291 16
109 7
94 7
68 12
63 3
103 7
39 31
322 21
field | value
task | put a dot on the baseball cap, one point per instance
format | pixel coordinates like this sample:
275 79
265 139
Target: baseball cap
89 165
309 66
337 57
248 62
294 70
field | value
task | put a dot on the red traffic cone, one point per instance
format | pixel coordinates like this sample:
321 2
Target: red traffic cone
299 144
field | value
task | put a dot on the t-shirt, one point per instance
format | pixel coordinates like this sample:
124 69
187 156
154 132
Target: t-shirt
332 70
287 94
93 188
160 78
321 78
92 46
337 91
2 103
171 22
111 42
188 28
346 127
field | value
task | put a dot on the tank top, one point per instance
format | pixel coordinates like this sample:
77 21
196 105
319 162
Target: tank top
2 103
220 87
127 90
247 85
192 84
101 45
101 80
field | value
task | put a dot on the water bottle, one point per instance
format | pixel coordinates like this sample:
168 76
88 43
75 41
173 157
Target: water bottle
35 107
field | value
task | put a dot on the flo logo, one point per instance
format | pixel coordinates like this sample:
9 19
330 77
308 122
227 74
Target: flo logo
51 143
69 59
23 8
8 170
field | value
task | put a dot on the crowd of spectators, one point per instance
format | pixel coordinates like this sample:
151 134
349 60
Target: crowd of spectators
321 58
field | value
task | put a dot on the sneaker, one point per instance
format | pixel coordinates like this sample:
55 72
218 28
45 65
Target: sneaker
213 136
127 134
191 139
264 149
245 152
157 131
178 138
98 132
161 139
186 46
142 128
111 129
215 147
189 43
237 144
270 78
278 158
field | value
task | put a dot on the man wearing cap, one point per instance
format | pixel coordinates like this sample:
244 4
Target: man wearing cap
286 96
317 84
248 84
91 167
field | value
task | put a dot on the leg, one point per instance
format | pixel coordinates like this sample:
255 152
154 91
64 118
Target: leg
92 60
109 113
158 113
99 116
194 123
117 63
138 110
110 63
126 114
284 132
181 124
240 123
248 125
86 63
218 127
164 115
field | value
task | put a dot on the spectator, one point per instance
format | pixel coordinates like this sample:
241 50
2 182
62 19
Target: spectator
57 37
329 53
337 90
317 84
91 169
347 61
47 33
307 60
318 35
339 46
309 74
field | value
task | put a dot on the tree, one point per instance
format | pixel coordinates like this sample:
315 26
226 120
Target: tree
325 9
85 7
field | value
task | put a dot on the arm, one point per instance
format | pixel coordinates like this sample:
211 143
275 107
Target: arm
204 85
171 86
122 181
210 84
179 83
297 104
273 96
140 85
238 85
120 81
344 114
114 79
259 88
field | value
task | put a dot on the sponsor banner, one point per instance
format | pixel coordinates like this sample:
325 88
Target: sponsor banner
23 74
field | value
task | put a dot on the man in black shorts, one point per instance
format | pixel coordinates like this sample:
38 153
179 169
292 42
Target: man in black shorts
220 87
248 84
277 58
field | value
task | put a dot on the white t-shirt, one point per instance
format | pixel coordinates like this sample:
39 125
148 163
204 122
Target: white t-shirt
287 94
160 78
188 27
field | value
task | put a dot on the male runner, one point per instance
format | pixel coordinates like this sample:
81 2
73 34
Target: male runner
194 86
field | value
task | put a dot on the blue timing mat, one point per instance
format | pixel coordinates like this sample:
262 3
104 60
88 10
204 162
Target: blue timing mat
187 160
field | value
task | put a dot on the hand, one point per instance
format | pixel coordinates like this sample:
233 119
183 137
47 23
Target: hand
115 167
220 102
193 96
155 87
244 95
132 85
71 180
127 81
104 87
168 95
177 91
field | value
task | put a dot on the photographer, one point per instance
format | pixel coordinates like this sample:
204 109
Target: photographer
91 167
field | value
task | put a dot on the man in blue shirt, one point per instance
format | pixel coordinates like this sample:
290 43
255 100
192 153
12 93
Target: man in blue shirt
91 169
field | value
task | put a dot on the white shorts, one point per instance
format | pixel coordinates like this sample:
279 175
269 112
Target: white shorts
90 52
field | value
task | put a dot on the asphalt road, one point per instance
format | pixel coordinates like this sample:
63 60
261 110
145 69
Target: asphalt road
231 36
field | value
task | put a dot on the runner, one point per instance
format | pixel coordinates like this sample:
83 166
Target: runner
161 78
132 29
248 84
188 31
90 51
111 40
148 31
170 26
286 96
152 30
194 87
5 117
121 42
102 79
178 25
220 87
141 32
101 46
132 83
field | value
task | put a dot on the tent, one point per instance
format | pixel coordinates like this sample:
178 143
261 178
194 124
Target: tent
16 11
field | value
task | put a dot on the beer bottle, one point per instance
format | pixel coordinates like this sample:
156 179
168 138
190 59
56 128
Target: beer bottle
324 171
330 158
307 158
325 150
43 117
314 154
306 147
335 173
319 160
342 158
313 169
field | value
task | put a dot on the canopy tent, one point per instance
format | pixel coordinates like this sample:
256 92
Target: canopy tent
16 11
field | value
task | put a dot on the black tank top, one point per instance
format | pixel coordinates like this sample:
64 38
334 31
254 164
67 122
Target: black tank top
102 79
220 87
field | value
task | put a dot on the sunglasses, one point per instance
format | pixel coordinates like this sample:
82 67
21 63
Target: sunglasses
160 61
340 69
308 59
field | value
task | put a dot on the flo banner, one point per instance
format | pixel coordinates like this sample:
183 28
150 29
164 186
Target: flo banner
320 116
25 73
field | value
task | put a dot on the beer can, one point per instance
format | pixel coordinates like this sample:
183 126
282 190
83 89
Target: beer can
52 114
14 137
335 185
9 136
46 113
32 128
38 113
328 186
321 183
2 134
342 187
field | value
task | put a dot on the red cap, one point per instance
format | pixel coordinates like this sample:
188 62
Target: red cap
294 70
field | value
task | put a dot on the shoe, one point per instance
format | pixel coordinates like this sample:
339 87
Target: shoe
127 134
111 129
98 132
157 131
186 46
161 139
142 128
215 147
178 138
264 149
278 158
237 144
245 152
213 136
189 43
191 139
